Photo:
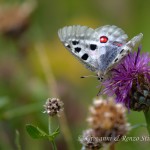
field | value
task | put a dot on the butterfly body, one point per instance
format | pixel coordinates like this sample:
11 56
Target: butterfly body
98 49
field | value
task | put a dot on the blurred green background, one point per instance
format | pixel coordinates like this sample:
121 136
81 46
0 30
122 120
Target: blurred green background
34 65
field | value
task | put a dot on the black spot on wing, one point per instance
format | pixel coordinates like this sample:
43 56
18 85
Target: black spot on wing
75 42
121 51
116 60
77 49
68 46
93 47
85 56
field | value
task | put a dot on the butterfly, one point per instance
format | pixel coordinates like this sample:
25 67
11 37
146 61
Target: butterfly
98 49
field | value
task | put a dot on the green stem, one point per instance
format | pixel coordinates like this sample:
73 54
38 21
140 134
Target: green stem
138 125
49 125
50 132
147 117
17 141
54 145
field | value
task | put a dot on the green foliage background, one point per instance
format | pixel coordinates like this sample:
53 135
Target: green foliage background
23 84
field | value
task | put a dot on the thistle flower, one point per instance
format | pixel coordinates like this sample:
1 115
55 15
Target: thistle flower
130 81
53 106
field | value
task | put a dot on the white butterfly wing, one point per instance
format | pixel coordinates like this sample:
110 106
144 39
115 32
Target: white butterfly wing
82 42
116 36
127 48
116 39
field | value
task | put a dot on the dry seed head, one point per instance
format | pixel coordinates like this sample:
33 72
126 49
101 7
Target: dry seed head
53 106
89 140
108 124
106 114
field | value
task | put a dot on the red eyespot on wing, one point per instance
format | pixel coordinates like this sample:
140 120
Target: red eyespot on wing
103 39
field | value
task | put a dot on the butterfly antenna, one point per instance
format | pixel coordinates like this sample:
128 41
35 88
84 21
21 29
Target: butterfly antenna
93 76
